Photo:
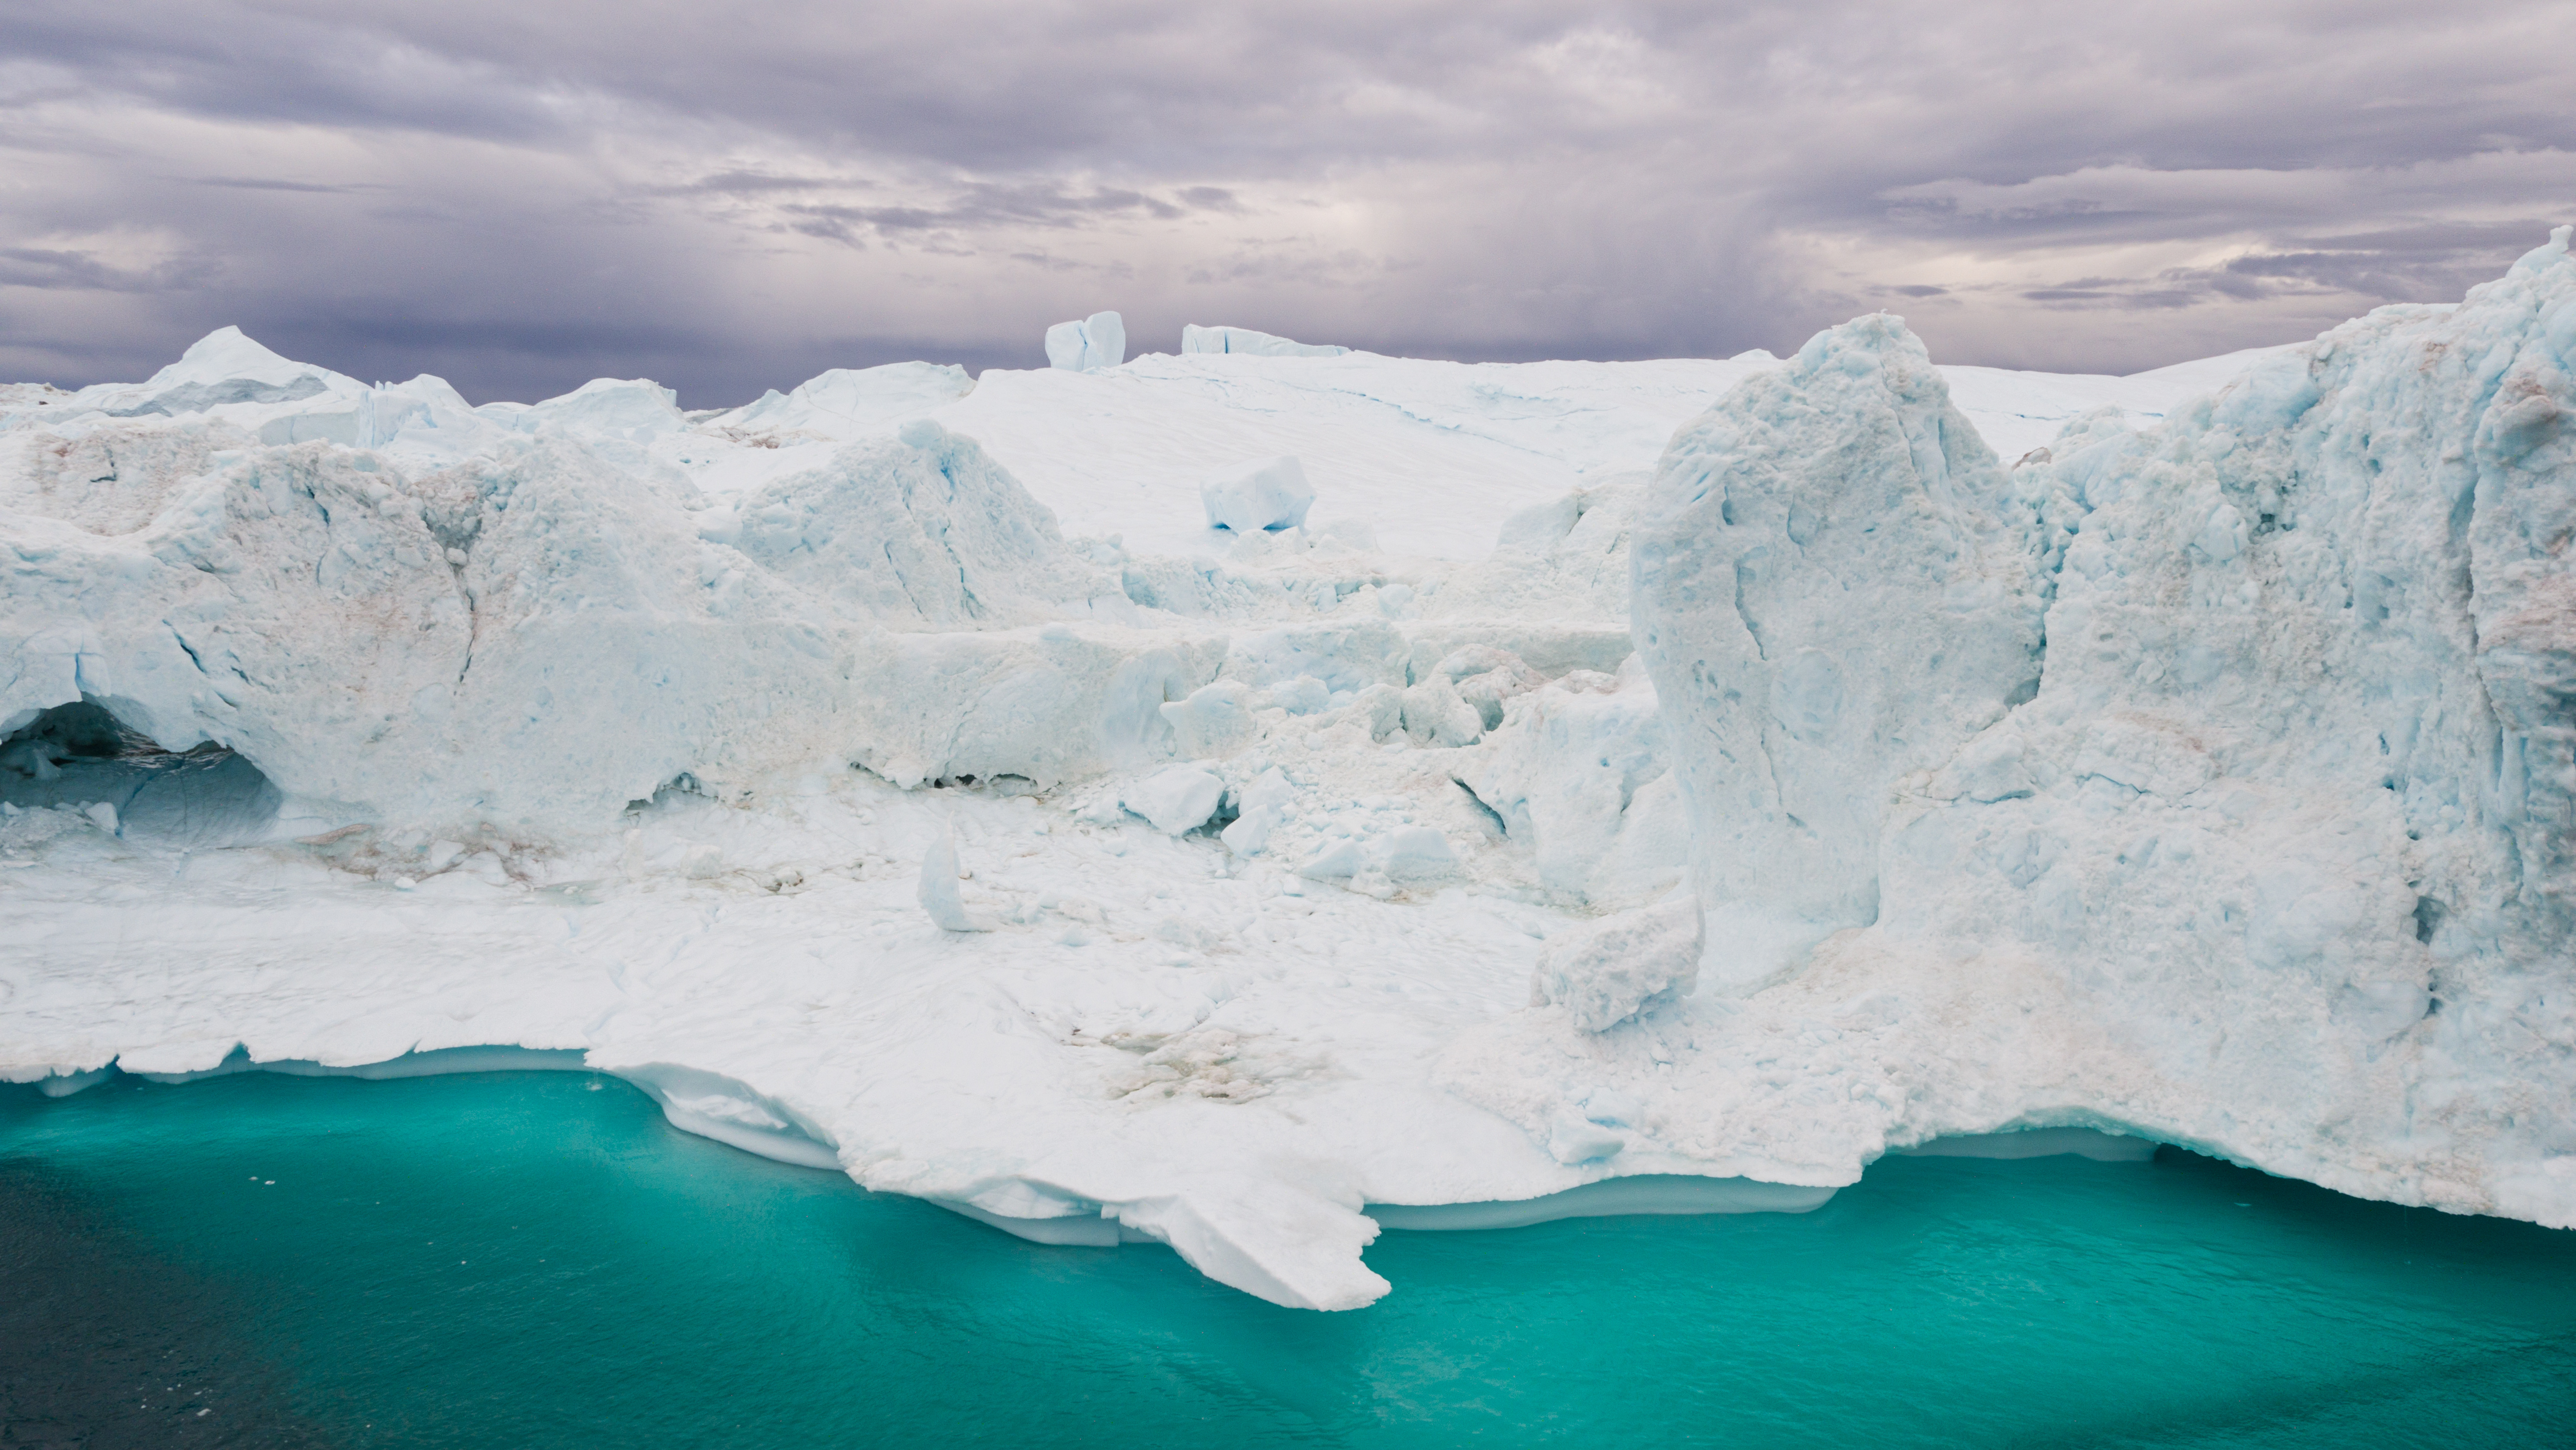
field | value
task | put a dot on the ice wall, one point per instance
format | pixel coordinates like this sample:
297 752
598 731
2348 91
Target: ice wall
1832 600
1195 338
2273 832
534 636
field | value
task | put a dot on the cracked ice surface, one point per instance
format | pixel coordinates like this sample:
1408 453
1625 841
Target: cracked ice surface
2206 777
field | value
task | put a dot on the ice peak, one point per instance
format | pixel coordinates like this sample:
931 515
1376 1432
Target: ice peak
228 353
2547 255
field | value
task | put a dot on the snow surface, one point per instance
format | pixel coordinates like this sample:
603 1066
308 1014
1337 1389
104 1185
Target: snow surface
1637 787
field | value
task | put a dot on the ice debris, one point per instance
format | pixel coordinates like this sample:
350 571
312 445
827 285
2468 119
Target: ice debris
938 891
1606 973
1263 493
1176 799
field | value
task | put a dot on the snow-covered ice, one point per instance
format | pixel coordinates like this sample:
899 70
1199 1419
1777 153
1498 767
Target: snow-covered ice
1632 787
1244 340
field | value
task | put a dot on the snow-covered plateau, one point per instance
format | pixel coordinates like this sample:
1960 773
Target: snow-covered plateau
1630 787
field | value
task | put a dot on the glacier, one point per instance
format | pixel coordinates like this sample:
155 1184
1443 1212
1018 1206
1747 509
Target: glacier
1623 787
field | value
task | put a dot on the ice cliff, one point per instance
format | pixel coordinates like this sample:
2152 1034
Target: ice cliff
1673 783
2217 781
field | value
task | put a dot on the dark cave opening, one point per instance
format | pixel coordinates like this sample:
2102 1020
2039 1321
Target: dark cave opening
80 755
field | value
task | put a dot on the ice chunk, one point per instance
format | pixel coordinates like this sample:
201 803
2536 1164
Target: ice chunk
1381 709
1096 342
1264 493
1606 974
1578 774
1195 338
938 890
1435 715
1486 677
1304 695
1177 799
1262 806
1335 861
1573 1138
1214 722
1411 853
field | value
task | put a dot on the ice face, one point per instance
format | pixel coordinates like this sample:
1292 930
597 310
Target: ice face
1096 342
1829 598
1249 343
2277 819
2203 776
1177 799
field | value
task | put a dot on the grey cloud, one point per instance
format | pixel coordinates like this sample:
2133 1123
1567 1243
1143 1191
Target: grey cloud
77 271
258 183
1512 178
756 183
980 207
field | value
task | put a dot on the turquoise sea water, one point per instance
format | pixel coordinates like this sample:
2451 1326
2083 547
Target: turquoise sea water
536 1259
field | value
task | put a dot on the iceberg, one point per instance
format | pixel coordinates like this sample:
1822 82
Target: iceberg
1666 787
1096 342
1195 338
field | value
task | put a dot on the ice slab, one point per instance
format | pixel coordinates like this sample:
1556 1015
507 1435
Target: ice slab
1649 1193
1246 341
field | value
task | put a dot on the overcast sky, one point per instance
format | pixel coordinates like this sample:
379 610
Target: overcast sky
523 196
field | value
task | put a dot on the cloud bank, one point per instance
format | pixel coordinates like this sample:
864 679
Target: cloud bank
522 197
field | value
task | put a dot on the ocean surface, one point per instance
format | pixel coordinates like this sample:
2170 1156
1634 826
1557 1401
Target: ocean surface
537 1259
